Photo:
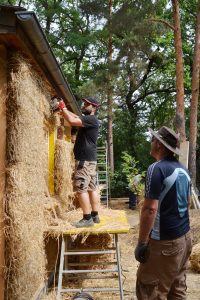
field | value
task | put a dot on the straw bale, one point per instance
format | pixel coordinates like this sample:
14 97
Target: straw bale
31 214
27 175
59 226
195 258
63 175
195 225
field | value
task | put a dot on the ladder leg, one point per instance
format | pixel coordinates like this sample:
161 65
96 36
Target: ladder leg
66 256
119 267
61 268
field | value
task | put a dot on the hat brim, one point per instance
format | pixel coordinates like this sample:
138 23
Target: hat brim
88 101
174 150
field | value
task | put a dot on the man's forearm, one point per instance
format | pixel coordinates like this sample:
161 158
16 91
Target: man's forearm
147 219
73 119
68 115
72 114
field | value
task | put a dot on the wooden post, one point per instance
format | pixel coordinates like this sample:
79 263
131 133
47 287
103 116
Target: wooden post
184 148
3 90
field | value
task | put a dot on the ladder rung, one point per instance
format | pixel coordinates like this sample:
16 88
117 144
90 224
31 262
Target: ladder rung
93 263
91 290
89 252
90 271
78 276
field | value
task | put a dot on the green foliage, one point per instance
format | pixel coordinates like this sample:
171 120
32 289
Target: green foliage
130 169
118 184
142 70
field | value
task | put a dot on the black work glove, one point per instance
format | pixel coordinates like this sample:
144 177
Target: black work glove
142 252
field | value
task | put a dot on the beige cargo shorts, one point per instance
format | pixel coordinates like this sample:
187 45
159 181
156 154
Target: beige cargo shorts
84 178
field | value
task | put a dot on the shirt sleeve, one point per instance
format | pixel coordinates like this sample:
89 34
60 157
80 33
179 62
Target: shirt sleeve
89 121
154 182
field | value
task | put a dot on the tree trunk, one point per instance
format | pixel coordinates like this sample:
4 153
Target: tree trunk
194 101
180 115
109 93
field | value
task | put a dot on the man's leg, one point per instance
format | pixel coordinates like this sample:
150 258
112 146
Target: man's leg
80 185
94 200
155 283
179 287
84 201
93 193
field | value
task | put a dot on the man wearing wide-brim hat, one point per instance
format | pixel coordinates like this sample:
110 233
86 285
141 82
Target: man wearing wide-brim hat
164 243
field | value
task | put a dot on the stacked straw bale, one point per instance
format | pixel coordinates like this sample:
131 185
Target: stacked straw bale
63 175
26 187
195 258
30 211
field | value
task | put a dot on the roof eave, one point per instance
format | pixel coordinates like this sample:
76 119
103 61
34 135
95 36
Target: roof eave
31 27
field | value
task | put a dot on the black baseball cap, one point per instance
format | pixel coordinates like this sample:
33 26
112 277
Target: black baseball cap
91 100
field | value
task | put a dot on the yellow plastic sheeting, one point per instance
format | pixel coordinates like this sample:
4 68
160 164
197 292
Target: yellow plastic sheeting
115 222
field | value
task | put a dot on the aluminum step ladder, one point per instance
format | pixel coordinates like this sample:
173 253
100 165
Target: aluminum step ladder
103 173
67 269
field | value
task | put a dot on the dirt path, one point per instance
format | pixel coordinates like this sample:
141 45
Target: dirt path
129 264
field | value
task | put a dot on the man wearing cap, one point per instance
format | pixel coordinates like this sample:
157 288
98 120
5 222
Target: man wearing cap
164 244
86 159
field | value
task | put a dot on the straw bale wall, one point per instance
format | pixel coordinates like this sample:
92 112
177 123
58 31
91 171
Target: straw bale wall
3 92
195 258
63 175
31 247
26 186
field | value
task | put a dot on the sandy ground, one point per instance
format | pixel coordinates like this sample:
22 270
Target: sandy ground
130 265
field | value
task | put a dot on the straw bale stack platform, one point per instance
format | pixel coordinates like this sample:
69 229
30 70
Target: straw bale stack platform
112 221
94 249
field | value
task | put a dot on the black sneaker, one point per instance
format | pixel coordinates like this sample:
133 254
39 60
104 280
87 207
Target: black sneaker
96 219
84 223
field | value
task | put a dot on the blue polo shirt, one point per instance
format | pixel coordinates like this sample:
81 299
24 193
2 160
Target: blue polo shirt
168 181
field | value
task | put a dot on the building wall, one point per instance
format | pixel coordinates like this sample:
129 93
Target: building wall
30 164
3 89
26 179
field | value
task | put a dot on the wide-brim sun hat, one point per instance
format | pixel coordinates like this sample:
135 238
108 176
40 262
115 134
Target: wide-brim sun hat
91 100
168 137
